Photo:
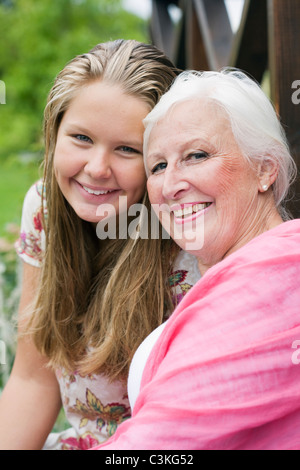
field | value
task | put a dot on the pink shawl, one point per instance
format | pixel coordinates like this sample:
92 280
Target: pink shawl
222 374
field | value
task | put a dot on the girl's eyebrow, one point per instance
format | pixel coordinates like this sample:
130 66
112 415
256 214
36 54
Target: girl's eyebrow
75 126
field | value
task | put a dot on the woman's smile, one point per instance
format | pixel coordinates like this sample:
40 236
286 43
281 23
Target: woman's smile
188 212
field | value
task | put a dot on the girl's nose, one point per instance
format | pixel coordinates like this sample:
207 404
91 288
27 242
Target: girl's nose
99 165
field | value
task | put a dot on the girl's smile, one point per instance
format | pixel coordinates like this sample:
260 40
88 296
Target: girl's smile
97 195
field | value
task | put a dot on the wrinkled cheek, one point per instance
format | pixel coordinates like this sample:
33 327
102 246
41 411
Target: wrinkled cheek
227 210
225 181
230 189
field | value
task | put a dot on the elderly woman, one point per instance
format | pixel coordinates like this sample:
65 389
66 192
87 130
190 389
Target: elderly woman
219 373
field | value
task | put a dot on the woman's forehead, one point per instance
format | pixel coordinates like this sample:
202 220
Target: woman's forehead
189 120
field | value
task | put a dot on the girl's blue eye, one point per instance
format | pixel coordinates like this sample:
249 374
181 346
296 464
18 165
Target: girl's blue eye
159 167
82 138
126 149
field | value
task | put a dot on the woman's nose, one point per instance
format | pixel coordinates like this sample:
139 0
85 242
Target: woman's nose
174 184
99 164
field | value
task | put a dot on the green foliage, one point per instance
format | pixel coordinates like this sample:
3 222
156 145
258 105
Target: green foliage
37 39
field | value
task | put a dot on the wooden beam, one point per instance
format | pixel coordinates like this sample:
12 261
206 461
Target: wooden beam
221 35
180 39
214 33
250 47
162 28
196 50
284 40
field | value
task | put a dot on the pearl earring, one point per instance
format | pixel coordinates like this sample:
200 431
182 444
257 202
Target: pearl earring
265 187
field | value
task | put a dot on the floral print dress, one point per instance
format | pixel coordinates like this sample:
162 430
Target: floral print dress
93 405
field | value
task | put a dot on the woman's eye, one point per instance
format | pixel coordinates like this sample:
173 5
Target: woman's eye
196 156
82 138
159 167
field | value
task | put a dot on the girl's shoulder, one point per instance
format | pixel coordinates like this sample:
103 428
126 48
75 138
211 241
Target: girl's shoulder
31 244
33 196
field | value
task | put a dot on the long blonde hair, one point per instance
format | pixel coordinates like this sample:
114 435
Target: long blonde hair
99 299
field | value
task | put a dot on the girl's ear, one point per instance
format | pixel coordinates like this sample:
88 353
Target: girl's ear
267 174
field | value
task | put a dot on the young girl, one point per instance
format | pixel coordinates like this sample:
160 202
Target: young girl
87 303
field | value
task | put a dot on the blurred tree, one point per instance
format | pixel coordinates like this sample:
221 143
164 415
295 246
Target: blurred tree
37 39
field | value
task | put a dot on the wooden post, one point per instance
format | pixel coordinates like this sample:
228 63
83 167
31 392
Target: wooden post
161 27
284 62
250 47
209 34
196 52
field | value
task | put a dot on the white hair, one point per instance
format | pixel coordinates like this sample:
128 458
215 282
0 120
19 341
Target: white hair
254 122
